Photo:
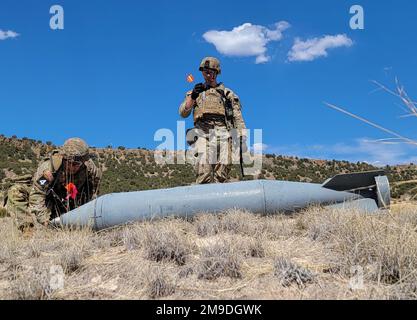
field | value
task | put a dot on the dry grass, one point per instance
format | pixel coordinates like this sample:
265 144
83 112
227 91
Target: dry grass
219 259
235 255
166 242
160 285
385 245
289 273
3 212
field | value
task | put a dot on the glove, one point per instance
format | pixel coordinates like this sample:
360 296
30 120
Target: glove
198 88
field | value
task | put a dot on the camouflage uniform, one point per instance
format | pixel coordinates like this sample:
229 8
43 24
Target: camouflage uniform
47 196
16 194
209 114
3 199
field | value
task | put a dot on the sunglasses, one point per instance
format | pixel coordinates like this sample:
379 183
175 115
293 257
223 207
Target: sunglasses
74 163
210 71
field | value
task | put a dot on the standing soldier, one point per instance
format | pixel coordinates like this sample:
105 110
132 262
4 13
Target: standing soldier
216 110
66 180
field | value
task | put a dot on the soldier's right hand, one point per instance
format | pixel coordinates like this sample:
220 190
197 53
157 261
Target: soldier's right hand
198 88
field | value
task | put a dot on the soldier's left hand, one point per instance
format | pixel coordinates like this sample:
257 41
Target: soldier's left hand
198 88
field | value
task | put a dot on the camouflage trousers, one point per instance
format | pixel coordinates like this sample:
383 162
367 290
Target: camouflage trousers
3 197
17 206
17 202
213 161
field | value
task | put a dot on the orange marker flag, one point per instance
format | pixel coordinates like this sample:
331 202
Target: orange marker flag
190 78
71 191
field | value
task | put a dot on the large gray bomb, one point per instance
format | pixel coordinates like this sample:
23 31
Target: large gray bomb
367 191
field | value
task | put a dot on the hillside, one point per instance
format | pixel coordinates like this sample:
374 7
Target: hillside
136 169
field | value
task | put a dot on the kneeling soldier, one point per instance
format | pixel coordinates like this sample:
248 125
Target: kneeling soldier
66 180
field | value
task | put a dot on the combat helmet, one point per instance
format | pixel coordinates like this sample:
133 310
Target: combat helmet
211 63
75 148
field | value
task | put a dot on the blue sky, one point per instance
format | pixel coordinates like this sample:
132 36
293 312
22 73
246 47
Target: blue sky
116 73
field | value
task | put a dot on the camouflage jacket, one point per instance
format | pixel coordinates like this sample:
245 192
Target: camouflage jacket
228 94
6 183
49 196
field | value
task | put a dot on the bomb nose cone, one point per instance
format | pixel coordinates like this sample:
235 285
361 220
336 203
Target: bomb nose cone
56 222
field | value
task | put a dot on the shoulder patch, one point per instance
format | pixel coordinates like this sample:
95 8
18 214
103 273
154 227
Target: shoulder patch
45 179
43 182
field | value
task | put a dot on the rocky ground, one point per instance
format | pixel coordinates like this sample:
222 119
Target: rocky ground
317 254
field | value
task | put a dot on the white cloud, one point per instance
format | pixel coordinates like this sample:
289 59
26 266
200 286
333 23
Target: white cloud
7 34
363 150
259 148
314 48
262 59
246 40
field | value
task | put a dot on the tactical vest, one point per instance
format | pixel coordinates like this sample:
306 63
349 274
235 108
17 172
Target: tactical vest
210 101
